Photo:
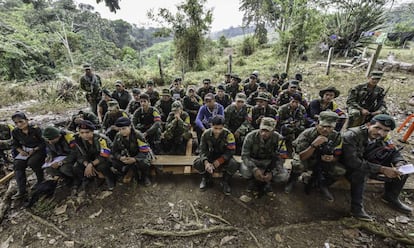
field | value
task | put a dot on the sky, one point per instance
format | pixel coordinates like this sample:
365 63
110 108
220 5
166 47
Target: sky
225 13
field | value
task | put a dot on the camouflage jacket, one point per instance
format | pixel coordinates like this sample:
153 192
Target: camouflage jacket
92 85
257 112
203 91
356 146
289 116
177 128
85 152
164 108
221 149
254 147
305 139
238 120
250 88
233 89
361 97
132 146
110 118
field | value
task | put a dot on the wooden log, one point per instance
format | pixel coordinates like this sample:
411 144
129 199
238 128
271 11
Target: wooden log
7 177
328 63
373 60
189 233
287 64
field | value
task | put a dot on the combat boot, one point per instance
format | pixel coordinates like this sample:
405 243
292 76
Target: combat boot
391 195
267 189
205 181
226 184
360 214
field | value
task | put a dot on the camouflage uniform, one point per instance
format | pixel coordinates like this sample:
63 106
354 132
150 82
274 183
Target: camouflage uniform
233 88
267 155
203 91
219 149
149 122
291 123
132 106
86 153
238 121
361 97
250 88
89 116
132 146
304 140
258 112
164 107
92 85
154 96
109 121
284 97
176 132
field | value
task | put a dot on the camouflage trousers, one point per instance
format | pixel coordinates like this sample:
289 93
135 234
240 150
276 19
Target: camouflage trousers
279 174
334 169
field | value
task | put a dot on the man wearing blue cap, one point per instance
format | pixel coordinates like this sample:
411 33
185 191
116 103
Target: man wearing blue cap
370 151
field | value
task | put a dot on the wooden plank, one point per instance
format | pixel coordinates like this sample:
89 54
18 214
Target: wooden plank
328 63
373 60
288 56
7 177
187 169
173 160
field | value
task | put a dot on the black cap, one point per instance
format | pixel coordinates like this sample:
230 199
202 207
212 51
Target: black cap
136 91
217 120
150 82
262 85
106 92
296 97
221 87
19 115
85 124
123 122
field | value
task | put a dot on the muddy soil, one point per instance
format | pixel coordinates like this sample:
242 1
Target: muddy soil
174 204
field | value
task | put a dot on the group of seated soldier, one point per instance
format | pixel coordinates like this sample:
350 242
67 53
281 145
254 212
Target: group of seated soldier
279 124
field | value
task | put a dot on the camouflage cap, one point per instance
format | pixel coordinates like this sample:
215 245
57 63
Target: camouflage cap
241 97
328 118
262 85
376 74
136 91
268 123
150 82
165 92
385 120
176 105
263 96
87 67
112 105
294 83
119 83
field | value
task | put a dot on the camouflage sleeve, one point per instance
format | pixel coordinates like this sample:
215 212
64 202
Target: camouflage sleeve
227 116
351 101
204 151
382 105
302 142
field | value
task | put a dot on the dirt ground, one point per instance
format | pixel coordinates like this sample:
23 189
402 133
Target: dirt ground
174 204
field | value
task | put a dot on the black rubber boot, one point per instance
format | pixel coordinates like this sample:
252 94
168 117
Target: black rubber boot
392 192
226 183
205 181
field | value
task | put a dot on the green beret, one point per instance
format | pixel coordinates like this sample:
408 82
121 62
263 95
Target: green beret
51 133
385 120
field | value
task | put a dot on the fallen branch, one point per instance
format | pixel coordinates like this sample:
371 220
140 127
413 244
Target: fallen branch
372 227
5 203
195 212
159 233
216 217
254 238
47 223
7 177
378 229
